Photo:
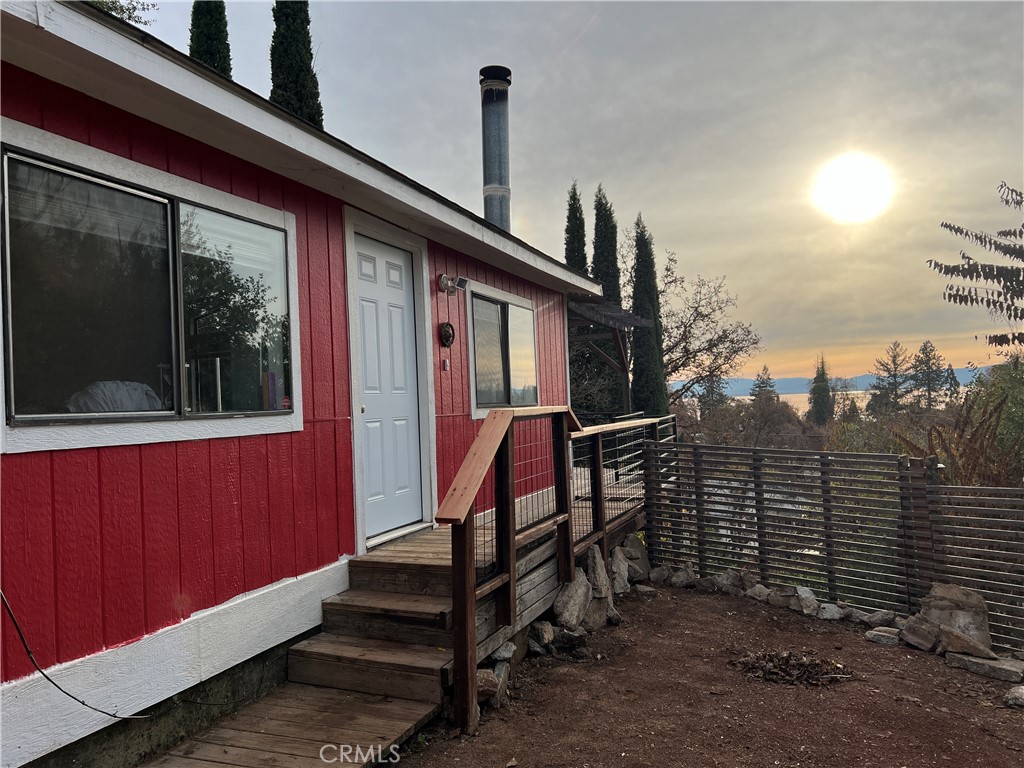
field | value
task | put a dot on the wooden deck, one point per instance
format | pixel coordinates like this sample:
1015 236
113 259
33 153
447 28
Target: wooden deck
289 727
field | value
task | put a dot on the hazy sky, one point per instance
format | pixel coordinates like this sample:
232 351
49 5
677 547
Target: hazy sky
712 119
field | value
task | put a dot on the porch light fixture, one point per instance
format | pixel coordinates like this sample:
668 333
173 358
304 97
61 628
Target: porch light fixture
452 285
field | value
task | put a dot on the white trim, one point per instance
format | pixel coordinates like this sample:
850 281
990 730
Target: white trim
474 287
37 719
30 437
359 222
126 67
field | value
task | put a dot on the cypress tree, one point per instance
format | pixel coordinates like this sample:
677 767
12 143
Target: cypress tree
822 402
208 35
650 391
951 385
294 84
575 232
606 247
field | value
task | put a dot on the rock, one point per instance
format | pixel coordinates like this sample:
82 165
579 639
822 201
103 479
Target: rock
636 552
881 618
883 636
959 608
535 647
857 616
899 622
645 591
749 579
597 614
779 598
705 584
954 641
660 575
619 569
634 572
597 572
543 632
502 670
487 684
684 577
573 600
785 590
920 633
569 640
613 615
729 582
1015 697
758 592
505 651
808 602
830 612
1010 670
1019 655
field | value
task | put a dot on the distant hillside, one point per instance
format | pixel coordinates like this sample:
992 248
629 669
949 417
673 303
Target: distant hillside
799 386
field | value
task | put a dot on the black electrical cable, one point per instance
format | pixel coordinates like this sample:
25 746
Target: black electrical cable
178 702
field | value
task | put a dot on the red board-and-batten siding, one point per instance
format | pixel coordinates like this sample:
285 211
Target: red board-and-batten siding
103 546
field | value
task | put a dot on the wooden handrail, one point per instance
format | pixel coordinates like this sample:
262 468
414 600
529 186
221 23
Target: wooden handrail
614 426
464 488
459 499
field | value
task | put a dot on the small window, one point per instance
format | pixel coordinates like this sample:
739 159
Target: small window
115 312
504 353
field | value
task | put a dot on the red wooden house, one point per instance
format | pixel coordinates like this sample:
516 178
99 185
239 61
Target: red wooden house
224 366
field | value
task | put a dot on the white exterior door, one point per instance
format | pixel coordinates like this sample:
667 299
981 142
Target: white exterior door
388 397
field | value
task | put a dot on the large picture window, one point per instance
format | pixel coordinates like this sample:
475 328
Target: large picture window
127 304
504 353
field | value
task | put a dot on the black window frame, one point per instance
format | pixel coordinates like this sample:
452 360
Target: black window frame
174 203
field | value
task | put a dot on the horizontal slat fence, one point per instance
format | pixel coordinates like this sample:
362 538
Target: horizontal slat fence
873 530
979 539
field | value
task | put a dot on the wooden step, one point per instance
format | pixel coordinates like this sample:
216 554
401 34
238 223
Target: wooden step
389 668
399 576
427 610
417 619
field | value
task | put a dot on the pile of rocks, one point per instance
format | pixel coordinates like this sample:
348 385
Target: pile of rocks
582 606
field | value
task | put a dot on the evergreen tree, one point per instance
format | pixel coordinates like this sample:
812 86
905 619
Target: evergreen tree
951 385
294 84
575 232
764 385
1005 299
821 401
605 268
928 375
892 385
650 390
711 396
208 35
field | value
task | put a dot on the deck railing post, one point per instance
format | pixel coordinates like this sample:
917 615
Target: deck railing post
563 495
598 510
505 525
829 531
466 710
759 517
701 513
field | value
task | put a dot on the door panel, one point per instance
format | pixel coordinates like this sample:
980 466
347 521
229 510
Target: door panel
389 397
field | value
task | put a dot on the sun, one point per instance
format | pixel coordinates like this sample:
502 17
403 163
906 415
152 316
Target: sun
852 188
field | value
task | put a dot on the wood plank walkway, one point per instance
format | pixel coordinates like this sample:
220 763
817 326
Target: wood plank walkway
289 727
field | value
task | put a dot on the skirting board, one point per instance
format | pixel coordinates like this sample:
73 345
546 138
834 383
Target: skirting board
36 718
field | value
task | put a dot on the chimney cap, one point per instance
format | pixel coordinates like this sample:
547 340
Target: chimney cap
496 72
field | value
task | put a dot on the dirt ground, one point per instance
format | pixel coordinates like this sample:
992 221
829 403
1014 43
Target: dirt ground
659 691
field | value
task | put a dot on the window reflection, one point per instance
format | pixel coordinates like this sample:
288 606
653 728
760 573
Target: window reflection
236 313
